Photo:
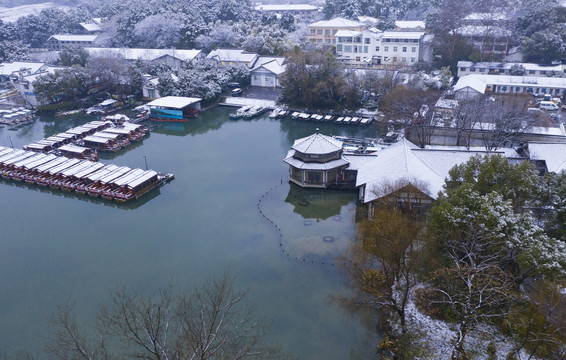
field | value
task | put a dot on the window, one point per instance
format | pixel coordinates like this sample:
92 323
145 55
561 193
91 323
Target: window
319 32
386 48
334 41
472 70
327 32
482 70
367 40
404 49
396 40
532 71
414 49
355 49
334 32
518 88
377 49
461 69
314 177
394 58
319 40
358 59
313 32
365 49
358 39
327 41
338 47
347 48
404 59
394 48
412 60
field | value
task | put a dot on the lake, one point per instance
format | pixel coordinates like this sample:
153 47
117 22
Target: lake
218 215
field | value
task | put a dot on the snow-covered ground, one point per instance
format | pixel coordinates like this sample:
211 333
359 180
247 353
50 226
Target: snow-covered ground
438 336
13 14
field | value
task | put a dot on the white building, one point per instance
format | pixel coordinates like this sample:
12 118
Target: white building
293 9
93 26
24 84
267 70
171 57
504 68
508 84
324 32
233 57
374 47
14 70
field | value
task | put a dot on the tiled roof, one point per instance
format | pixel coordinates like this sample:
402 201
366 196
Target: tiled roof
317 144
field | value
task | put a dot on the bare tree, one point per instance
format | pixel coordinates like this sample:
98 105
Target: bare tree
210 322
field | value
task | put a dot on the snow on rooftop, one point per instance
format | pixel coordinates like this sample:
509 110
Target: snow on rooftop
410 24
336 23
286 7
317 144
347 33
554 154
144 54
238 55
510 80
30 67
174 102
85 38
403 34
508 66
471 81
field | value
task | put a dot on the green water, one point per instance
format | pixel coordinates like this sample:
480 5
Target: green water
229 209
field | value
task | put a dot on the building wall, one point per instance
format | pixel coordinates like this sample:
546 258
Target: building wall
380 50
264 79
486 69
54 44
325 35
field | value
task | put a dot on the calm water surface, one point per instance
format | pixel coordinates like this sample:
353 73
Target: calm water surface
230 179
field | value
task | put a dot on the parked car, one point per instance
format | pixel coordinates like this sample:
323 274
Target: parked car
548 105
233 85
237 92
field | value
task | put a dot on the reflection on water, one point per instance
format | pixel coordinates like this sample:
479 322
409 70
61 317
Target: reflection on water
319 204
58 247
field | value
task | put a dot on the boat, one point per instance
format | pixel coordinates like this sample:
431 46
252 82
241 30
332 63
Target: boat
328 118
347 120
355 120
282 114
78 152
109 192
105 107
254 111
365 121
240 112
340 120
98 185
101 143
135 188
67 113
295 115
93 177
360 145
304 116
274 113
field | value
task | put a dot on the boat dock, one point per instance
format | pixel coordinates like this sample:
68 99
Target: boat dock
109 181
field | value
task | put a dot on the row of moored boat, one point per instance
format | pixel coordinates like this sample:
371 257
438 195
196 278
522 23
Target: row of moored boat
84 141
328 118
16 116
96 179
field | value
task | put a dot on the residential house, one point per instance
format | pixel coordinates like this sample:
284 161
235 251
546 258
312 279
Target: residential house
504 68
170 57
233 57
267 71
375 47
59 42
150 89
24 84
324 32
468 87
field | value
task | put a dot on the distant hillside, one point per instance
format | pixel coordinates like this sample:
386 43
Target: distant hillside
11 14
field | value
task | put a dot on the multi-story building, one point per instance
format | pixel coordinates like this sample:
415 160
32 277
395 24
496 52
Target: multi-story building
324 32
297 10
491 33
472 85
375 47
59 42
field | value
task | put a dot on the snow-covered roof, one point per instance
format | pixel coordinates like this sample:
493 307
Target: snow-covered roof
472 82
368 19
287 7
510 80
356 161
44 71
336 23
144 54
81 38
299 164
553 154
403 34
272 64
508 66
92 25
481 30
405 161
347 33
29 67
237 55
410 24
317 144
174 102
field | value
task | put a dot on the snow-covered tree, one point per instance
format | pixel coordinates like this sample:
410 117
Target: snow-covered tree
158 31
543 46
